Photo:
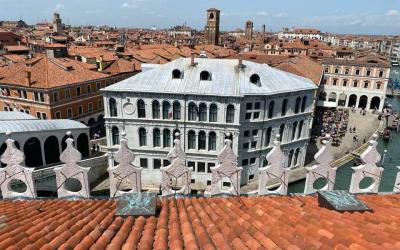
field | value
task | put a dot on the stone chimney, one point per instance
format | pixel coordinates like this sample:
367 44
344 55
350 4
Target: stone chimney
192 63
28 78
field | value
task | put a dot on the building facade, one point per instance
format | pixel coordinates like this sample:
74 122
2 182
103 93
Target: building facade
204 101
212 27
359 83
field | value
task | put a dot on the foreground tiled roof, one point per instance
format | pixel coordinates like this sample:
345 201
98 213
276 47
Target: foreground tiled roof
285 222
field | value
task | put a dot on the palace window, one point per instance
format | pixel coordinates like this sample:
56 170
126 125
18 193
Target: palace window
230 114
156 109
156 138
141 109
142 137
213 113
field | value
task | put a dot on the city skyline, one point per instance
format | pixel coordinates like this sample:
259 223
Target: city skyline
339 17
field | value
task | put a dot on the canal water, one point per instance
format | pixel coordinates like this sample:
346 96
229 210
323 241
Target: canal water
390 163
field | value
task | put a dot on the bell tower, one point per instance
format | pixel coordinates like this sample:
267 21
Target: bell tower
212 27
249 30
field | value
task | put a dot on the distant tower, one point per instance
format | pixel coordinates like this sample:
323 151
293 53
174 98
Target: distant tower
263 28
57 23
212 27
249 30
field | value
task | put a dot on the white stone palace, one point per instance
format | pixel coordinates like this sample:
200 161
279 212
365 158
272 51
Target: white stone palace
206 100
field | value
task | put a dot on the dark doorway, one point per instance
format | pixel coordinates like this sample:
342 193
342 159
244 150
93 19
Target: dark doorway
375 102
51 150
352 100
83 145
33 153
363 102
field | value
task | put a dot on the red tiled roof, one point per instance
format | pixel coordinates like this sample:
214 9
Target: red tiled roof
201 223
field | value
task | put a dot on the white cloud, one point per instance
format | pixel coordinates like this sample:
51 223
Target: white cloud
59 7
262 13
393 13
128 5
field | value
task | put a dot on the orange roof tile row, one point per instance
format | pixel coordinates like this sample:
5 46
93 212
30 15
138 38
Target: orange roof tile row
201 223
48 72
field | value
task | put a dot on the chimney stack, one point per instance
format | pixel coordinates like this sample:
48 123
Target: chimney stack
192 59
28 77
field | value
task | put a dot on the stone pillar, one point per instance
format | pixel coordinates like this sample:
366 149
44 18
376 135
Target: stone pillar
43 152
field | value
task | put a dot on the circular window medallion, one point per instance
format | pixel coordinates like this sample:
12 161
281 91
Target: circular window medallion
129 108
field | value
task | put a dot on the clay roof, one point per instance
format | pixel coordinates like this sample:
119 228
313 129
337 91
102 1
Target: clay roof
201 223
302 66
48 73
16 48
260 57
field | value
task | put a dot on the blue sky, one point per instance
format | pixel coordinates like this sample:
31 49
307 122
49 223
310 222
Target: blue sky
340 16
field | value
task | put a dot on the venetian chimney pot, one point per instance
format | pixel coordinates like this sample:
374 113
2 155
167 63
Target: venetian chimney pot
28 78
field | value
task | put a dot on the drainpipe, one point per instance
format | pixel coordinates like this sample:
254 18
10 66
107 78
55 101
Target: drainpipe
262 134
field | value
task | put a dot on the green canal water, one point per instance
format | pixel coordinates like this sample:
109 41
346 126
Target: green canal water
390 163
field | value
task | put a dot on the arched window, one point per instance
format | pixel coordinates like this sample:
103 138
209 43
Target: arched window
177 110
268 137
378 85
156 138
355 83
142 137
299 132
141 109
165 110
297 107
113 107
294 128
205 76
202 140
177 74
304 104
255 79
366 84
166 138
192 112
115 136
156 109
336 70
230 114
284 107
296 156
191 139
213 113
202 112
290 156
212 141
271 109
281 131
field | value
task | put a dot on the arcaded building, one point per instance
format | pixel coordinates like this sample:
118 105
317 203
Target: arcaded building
203 99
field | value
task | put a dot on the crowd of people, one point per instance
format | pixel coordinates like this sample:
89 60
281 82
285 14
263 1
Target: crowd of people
334 123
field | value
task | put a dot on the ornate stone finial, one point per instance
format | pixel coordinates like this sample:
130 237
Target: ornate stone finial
69 133
227 169
396 188
177 135
175 171
71 170
275 170
369 168
125 170
15 170
322 170
8 133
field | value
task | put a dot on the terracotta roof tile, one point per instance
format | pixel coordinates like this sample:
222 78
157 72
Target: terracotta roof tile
195 223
